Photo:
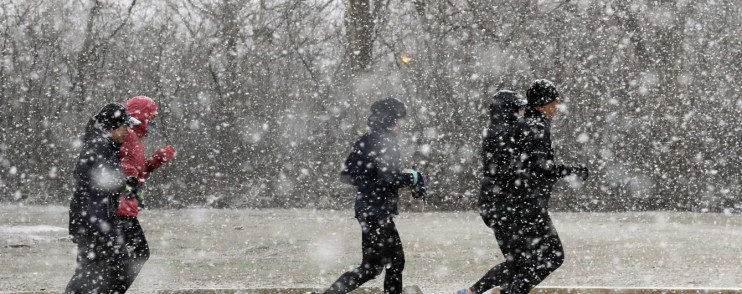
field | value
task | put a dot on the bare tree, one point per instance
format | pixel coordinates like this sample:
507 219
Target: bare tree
262 99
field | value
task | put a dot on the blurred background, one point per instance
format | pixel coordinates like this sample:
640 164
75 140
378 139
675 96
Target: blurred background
264 99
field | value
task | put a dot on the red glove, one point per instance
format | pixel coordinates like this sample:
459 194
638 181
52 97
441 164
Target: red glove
161 155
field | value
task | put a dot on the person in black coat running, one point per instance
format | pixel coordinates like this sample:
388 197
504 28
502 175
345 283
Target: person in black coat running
500 151
99 182
373 166
501 148
516 202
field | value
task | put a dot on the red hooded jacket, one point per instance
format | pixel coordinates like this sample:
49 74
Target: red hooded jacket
132 151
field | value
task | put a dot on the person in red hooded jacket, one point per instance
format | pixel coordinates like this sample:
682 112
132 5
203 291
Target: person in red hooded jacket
135 164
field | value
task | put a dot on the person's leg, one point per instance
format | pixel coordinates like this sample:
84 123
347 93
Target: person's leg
114 278
550 255
99 269
111 264
393 257
507 238
371 264
80 279
137 250
543 257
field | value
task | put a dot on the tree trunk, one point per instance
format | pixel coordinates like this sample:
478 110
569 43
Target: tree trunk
359 25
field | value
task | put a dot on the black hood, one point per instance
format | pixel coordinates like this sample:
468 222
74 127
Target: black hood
385 113
505 105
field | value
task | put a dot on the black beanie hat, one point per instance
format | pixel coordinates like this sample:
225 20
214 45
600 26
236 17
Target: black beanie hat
386 112
541 92
112 116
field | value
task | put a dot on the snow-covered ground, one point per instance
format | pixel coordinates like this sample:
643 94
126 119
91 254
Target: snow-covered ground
199 248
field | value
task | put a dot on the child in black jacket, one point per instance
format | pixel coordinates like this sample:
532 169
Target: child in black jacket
373 166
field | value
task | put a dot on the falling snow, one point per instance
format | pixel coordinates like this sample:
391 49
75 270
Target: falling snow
263 101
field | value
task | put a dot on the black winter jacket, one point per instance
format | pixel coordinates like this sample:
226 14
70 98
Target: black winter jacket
537 168
374 167
501 147
99 180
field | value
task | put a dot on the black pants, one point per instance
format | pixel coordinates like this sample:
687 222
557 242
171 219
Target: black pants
99 269
528 241
382 248
137 249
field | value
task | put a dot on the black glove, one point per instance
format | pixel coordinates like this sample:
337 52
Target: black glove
580 171
420 190
131 187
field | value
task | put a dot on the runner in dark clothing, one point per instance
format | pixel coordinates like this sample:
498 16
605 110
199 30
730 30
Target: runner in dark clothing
516 202
500 151
99 181
374 167
501 148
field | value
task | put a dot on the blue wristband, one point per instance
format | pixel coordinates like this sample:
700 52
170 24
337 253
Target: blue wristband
414 177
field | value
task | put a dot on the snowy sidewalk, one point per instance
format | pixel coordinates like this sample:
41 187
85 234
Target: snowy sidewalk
445 251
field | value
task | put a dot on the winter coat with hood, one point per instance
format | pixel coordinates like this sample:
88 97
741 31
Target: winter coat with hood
98 183
501 147
133 158
373 165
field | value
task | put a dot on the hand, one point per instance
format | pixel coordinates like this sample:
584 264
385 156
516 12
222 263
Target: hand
581 172
131 187
420 190
415 175
140 199
131 183
160 157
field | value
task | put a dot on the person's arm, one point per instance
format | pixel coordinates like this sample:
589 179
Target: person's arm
539 163
78 220
160 157
388 162
489 167
543 164
104 184
355 166
129 169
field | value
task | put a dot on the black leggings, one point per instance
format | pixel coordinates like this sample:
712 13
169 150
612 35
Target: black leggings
137 249
382 248
530 245
99 268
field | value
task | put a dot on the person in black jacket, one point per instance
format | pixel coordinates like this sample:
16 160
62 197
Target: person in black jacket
99 182
497 197
373 166
518 212
540 252
500 151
